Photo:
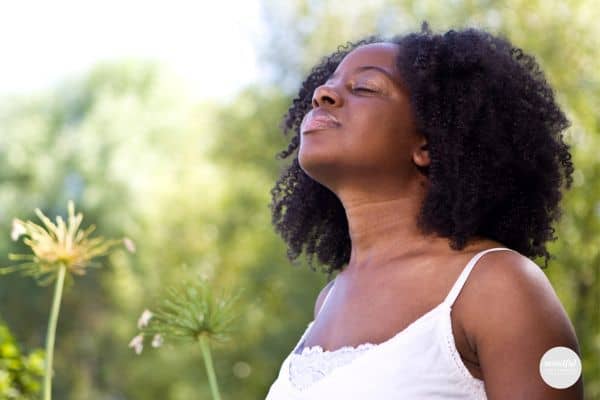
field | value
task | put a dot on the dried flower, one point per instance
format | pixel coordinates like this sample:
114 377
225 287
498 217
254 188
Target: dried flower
58 251
56 245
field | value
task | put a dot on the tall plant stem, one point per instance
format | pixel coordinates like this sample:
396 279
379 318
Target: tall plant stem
212 379
52 332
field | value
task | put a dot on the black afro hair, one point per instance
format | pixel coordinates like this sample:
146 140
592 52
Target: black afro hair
494 133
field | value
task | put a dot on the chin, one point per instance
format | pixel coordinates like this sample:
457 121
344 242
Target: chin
323 171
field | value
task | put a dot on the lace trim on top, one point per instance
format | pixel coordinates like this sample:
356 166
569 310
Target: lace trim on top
345 349
314 363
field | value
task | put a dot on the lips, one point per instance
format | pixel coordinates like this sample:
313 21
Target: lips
318 120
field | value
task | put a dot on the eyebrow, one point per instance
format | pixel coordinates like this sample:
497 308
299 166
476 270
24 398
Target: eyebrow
367 67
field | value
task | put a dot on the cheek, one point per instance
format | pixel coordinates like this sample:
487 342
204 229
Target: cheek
379 132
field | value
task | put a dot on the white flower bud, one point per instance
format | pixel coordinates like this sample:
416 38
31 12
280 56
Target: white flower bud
129 245
137 343
17 230
157 341
144 319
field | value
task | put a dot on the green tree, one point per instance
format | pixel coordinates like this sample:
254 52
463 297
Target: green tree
20 374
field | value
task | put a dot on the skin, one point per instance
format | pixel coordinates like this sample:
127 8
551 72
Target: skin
369 162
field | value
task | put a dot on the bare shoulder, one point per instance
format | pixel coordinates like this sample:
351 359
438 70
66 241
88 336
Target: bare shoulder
321 297
517 318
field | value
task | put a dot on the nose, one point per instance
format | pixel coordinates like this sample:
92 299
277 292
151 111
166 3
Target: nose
325 94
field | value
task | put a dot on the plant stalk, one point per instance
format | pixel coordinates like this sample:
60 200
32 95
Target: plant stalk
212 378
52 332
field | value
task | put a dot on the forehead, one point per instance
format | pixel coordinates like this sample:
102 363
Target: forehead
377 54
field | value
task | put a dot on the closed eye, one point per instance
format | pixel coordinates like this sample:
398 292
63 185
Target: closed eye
364 89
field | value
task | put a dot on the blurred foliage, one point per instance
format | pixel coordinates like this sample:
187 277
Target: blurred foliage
189 183
20 374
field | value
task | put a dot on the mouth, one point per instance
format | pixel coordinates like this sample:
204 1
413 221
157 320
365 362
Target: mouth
319 122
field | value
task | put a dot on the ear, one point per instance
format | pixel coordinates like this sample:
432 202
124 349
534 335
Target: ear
421 154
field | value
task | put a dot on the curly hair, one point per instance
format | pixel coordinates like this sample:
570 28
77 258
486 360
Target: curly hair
494 136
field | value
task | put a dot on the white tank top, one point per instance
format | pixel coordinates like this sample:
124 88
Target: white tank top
419 362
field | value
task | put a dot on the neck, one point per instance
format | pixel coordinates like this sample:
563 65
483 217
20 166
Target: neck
384 228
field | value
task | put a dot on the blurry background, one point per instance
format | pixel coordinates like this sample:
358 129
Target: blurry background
159 119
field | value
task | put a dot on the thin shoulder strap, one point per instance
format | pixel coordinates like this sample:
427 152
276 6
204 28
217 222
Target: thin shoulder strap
309 326
462 278
327 295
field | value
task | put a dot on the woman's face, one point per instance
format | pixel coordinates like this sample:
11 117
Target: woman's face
374 138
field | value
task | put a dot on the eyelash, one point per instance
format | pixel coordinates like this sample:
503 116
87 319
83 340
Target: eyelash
365 89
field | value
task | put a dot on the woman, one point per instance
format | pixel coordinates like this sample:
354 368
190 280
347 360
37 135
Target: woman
419 158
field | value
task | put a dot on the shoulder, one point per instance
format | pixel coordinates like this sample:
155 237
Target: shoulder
510 276
321 297
514 316
507 278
